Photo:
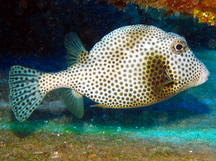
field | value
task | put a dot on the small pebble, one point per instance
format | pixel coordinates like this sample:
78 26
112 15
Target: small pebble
92 156
55 155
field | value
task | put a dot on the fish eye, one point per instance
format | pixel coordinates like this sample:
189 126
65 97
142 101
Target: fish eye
179 47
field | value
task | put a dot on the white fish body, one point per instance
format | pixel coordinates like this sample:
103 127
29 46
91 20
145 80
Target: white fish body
132 66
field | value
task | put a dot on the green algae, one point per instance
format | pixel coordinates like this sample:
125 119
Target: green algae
86 146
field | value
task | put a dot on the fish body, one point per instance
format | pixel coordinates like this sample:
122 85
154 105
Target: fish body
132 66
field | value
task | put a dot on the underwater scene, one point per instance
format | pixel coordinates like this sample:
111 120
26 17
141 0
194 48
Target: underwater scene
108 80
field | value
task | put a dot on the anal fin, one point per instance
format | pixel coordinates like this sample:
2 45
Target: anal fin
74 102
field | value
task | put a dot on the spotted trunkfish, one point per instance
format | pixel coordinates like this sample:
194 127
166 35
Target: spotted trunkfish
132 66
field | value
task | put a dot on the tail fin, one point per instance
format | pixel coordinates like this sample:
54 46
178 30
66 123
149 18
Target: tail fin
25 94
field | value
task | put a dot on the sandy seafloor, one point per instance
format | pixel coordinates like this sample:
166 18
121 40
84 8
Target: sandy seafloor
181 128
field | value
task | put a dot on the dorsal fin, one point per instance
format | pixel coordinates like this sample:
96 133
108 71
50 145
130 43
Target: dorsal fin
76 52
74 102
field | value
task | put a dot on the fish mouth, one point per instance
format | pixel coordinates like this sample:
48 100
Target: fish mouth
203 77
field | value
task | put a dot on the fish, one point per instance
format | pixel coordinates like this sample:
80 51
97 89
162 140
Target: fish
132 66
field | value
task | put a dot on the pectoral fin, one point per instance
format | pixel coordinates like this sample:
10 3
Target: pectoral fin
162 85
167 82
